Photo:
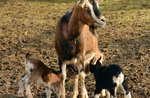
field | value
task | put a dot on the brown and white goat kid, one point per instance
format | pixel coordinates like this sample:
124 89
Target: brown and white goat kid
37 72
75 37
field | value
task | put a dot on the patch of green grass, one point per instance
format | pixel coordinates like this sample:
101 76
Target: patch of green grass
127 13
117 5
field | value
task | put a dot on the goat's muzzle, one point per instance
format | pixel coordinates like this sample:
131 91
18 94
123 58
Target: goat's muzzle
101 21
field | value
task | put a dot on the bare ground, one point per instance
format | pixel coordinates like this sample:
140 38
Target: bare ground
29 26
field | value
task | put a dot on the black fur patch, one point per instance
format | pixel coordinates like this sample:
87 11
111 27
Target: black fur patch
66 17
125 86
68 48
96 10
103 74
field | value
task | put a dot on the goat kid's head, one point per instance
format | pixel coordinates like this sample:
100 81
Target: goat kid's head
96 66
90 13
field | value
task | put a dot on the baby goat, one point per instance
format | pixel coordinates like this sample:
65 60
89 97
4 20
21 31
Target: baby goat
36 71
109 78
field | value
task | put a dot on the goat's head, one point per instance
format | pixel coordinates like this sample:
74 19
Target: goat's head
90 13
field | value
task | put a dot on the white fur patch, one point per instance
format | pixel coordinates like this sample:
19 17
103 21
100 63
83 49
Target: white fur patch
97 96
28 67
82 74
128 95
40 82
84 91
97 4
118 80
103 92
72 61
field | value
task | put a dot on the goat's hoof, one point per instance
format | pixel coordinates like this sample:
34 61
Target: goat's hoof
83 96
74 96
63 96
128 95
29 96
20 94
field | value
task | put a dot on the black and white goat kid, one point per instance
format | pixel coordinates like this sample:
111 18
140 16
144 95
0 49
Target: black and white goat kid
109 78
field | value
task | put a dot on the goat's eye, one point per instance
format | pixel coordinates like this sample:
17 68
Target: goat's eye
88 11
31 70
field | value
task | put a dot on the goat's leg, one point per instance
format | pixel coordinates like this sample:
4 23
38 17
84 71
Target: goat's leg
125 89
75 92
83 88
58 95
63 67
22 86
101 58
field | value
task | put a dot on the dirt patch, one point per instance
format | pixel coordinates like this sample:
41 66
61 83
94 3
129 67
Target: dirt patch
30 27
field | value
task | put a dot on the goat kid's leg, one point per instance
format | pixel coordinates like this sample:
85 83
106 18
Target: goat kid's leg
107 94
97 92
75 92
103 92
97 95
63 67
125 89
48 92
22 86
113 93
83 88
27 88
57 90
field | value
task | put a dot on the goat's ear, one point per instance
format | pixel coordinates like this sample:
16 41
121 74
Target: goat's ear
89 57
82 3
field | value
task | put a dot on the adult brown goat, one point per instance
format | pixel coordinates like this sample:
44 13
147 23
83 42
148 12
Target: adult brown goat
75 37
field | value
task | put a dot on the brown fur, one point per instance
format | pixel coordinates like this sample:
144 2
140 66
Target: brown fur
48 75
74 38
77 34
37 72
